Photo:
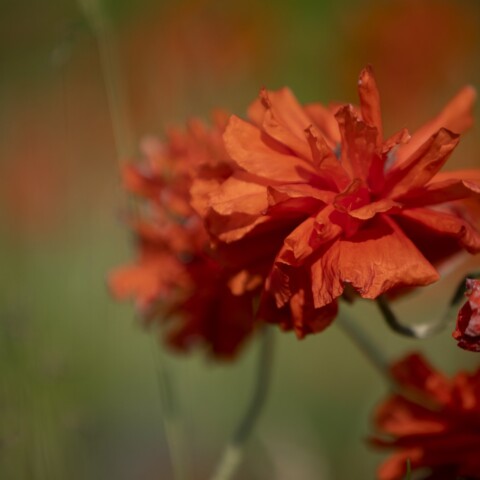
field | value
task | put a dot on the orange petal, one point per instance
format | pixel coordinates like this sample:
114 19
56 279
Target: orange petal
358 144
446 224
263 156
371 209
374 260
370 102
281 119
325 161
441 192
236 195
456 116
421 166
324 119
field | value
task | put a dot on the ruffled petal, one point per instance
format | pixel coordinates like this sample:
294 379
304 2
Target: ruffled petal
441 192
324 119
281 118
263 156
446 224
359 144
457 116
373 261
421 166
370 102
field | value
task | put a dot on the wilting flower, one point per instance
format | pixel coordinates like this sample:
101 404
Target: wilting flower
467 332
350 207
434 422
176 280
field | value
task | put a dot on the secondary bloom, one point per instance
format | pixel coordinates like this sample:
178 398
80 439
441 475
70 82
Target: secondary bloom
176 280
434 422
467 332
350 207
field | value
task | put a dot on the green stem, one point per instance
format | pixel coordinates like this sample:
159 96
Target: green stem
172 419
233 454
112 74
419 331
365 344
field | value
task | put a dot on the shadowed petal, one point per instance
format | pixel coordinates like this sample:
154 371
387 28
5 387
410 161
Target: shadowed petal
421 166
446 224
456 116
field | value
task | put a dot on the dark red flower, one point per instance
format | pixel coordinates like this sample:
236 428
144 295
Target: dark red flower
346 205
467 332
434 422
177 281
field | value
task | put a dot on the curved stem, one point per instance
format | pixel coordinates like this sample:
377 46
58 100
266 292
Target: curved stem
112 74
365 344
172 417
420 331
233 454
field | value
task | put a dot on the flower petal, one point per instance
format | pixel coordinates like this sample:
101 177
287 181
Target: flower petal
446 224
421 166
456 117
373 261
263 156
370 101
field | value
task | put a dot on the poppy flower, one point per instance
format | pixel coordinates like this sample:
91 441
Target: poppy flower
434 422
467 332
362 212
176 280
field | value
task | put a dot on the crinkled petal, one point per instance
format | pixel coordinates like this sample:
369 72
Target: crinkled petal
236 195
456 116
263 156
446 224
324 119
281 117
385 205
374 260
359 147
441 192
421 166
370 101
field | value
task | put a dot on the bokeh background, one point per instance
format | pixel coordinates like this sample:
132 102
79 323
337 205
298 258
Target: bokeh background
80 381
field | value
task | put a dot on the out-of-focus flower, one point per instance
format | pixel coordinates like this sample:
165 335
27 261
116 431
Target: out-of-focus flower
434 422
353 207
177 281
467 332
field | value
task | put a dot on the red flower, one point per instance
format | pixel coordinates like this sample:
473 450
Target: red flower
434 422
467 332
349 207
176 280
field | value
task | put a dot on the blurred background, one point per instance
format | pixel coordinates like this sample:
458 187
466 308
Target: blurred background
79 378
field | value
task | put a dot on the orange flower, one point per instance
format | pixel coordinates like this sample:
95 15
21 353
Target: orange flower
467 332
358 209
435 423
176 281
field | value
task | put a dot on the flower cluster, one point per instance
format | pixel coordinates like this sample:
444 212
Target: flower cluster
353 208
292 210
433 421
177 280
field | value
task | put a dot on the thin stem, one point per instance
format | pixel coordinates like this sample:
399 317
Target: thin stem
112 74
233 454
172 419
420 331
366 345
